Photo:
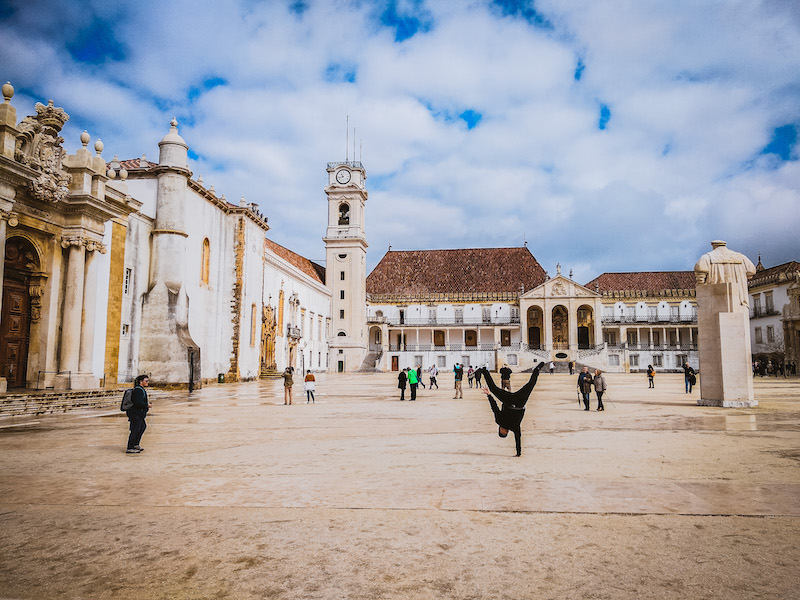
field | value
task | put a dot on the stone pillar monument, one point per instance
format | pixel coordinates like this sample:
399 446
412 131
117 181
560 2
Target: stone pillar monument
723 323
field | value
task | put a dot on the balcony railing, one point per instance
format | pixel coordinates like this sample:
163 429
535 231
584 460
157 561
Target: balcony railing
443 322
650 319
763 312
455 347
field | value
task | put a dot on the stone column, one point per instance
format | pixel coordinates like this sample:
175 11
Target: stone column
89 310
73 305
2 254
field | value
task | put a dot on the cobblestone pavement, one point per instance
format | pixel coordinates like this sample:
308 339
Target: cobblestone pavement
362 496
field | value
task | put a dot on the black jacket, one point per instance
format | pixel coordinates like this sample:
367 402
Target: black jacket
140 402
509 418
401 380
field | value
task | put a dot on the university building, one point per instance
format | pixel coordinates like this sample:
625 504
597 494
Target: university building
115 268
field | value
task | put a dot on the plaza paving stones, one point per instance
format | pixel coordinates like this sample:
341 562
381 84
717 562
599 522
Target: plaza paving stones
363 496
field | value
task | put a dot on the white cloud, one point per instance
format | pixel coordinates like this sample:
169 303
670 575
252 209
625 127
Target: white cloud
694 91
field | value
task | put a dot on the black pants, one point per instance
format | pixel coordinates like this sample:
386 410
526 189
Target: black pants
600 400
586 400
138 426
413 391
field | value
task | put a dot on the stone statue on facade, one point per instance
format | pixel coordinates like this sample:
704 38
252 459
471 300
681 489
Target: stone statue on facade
39 147
723 327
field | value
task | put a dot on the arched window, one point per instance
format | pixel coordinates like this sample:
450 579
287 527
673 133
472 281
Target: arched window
205 261
341 334
344 214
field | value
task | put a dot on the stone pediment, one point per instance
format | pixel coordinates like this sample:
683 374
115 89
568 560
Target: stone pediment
558 287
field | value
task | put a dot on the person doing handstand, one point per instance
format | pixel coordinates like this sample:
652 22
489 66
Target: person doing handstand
509 417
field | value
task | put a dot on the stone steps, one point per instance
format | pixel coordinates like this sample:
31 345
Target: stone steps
39 403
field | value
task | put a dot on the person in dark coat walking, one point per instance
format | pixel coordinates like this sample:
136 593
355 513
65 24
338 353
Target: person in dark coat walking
585 386
509 417
689 377
402 378
137 414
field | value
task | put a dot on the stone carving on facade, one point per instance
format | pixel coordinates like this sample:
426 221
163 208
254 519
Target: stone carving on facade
39 147
72 240
36 287
268 331
559 289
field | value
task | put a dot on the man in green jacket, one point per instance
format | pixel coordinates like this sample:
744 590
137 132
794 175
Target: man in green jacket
413 381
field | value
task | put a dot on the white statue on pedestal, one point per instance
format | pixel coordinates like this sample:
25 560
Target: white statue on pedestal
723 265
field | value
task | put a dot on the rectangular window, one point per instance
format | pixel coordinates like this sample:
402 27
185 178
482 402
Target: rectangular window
634 360
341 314
341 275
769 303
656 338
756 305
759 339
633 338
417 360
681 359
770 334
511 359
613 360
441 361
657 360
125 329
341 294
126 286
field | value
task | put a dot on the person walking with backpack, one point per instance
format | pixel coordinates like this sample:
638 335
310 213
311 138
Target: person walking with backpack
137 414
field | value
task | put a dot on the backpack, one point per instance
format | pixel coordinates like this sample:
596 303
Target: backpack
127 400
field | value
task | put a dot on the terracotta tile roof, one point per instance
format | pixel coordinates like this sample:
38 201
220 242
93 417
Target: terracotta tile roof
774 274
643 281
310 268
133 163
464 271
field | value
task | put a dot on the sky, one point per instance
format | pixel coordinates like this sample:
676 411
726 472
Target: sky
610 136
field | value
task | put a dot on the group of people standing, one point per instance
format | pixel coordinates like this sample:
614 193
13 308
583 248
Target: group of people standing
309 386
588 380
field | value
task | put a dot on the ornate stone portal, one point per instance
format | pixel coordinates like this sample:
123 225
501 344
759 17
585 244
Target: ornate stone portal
723 317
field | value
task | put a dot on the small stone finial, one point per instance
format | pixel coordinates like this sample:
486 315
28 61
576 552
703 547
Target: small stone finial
98 146
85 138
759 266
173 123
111 173
718 244
570 273
8 91
123 173
558 269
223 197
143 161
212 190
243 202
114 164
200 179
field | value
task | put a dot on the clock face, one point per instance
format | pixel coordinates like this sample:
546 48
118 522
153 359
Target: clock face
343 176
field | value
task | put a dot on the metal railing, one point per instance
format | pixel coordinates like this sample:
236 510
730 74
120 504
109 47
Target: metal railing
649 319
445 322
763 312
455 347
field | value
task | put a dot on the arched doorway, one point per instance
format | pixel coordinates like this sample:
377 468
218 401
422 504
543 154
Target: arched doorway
560 328
23 286
585 320
535 327
375 339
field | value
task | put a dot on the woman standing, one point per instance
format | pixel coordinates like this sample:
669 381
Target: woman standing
599 388
651 373
309 386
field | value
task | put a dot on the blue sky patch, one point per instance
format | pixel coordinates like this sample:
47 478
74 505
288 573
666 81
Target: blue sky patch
605 116
96 44
408 23
298 7
526 10
579 69
207 84
340 73
784 141
471 118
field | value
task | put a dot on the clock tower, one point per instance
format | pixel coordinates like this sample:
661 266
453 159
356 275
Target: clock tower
346 264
